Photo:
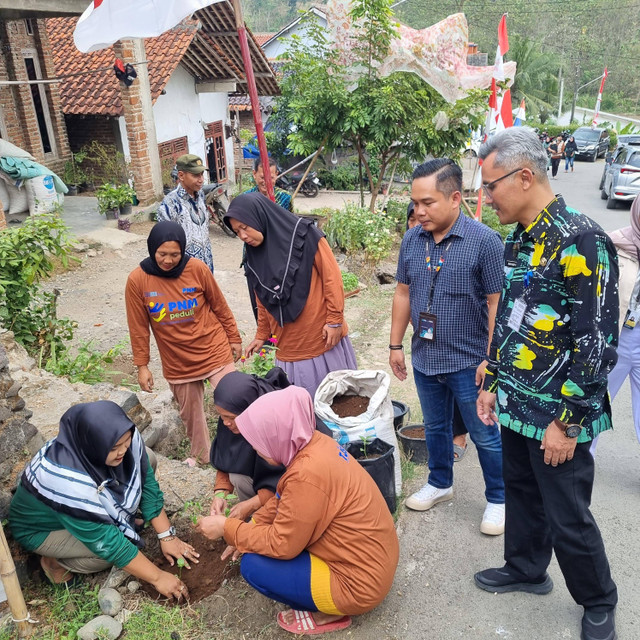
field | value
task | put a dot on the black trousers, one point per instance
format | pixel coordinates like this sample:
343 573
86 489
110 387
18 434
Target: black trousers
547 509
555 163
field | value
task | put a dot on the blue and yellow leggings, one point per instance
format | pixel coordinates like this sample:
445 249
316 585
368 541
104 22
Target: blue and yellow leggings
302 583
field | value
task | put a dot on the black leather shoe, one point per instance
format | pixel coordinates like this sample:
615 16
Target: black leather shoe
503 581
598 625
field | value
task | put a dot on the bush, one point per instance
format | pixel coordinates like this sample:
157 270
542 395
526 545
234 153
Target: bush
344 177
490 218
349 281
25 259
355 228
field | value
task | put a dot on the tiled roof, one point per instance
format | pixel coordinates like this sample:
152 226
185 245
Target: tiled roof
98 93
261 38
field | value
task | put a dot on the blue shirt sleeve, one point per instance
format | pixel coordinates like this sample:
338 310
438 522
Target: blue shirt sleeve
401 273
492 265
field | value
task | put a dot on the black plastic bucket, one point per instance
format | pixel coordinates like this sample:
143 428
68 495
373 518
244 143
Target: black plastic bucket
415 448
400 412
380 469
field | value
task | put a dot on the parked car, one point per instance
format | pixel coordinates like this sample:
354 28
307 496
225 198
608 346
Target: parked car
621 182
592 143
629 139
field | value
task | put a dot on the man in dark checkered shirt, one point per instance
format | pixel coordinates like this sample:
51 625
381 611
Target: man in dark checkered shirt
450 275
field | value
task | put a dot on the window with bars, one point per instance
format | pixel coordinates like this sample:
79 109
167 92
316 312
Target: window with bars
216 155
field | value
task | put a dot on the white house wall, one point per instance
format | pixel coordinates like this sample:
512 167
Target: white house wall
279 46
183 112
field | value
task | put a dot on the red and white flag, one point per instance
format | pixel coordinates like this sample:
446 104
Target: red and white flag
500 114
107 21
599 100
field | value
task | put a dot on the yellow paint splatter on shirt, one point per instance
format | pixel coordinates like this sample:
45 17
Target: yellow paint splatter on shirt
525 357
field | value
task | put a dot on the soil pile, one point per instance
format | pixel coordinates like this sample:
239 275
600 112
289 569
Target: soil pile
349 406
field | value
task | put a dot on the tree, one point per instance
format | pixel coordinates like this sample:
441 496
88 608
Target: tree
391 120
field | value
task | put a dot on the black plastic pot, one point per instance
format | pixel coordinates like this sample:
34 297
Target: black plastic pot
112 214
400 411
73 189
125 209
381 469
414 448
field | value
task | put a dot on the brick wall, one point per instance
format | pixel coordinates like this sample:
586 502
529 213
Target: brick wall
16 101
243 164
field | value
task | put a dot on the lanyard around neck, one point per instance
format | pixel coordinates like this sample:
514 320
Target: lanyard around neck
435 272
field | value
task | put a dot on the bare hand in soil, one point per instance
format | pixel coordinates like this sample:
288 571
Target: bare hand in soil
171 586
332 336
145 379
176 548
397 364
218 506
236 350
211 527
486 408
230 550
254 345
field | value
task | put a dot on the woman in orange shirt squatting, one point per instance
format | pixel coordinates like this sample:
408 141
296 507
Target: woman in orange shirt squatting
325 544
298 285
178 299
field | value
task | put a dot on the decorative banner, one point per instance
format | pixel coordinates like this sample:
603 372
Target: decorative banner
107 21
520 116
437 54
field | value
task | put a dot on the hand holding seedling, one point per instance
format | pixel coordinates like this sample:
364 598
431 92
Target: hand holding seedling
176 548
211 527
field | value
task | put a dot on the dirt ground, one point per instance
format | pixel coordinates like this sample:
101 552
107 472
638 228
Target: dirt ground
93 295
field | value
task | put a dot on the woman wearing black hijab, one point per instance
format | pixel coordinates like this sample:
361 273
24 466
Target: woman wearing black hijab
298 285
177 298
239 469
78 497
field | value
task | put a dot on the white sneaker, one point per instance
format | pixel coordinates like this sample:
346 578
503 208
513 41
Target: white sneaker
426 497
493 520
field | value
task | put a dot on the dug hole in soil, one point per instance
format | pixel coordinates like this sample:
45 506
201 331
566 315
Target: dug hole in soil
204 578
349 406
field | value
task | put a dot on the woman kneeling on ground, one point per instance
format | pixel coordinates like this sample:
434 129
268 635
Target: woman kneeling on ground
179 300
76 502
299 290
239 469
325 544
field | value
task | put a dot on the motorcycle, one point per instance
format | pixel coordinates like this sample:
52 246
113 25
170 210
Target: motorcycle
216 201
290 181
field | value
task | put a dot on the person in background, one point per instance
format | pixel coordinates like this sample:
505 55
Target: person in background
449 277
186 206
283 198
627 243
555 149
459 430
178 299
325 544
77 500
570 149
546 381
299 291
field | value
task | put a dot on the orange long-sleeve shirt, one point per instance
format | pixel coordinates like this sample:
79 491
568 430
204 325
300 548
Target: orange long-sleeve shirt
327 504
302 339
190 319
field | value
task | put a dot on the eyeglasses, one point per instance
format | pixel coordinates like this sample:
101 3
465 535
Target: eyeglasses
490 186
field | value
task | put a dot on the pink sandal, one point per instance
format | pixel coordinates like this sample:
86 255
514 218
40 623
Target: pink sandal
304 624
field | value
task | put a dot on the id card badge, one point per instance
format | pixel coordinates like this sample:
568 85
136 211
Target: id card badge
631 318
517 314
427 326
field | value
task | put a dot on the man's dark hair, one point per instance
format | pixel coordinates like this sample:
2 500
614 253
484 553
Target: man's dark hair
448 174
257 163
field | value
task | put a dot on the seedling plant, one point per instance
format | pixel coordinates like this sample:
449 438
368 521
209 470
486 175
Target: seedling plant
366 441
263 361
230 498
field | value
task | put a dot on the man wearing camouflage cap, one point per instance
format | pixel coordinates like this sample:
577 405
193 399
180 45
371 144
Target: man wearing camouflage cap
186 206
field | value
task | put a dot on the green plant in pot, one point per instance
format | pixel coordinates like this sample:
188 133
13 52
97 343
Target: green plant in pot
126 196
112 198
73 174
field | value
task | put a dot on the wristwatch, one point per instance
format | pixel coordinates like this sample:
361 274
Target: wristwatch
171 531
570 430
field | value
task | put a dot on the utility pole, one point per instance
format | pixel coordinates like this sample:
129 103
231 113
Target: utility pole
561 92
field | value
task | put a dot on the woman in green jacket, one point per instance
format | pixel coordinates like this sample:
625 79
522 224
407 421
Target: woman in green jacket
78 497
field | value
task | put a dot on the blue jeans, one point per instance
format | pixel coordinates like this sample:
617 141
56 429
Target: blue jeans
568 161
436 394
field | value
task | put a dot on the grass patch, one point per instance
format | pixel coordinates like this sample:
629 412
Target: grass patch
157 622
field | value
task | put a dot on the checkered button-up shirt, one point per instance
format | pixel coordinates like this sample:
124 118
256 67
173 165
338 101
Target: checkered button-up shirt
472 269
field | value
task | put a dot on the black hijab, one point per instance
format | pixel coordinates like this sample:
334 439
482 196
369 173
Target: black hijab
279 269
160 233
230 452
69 473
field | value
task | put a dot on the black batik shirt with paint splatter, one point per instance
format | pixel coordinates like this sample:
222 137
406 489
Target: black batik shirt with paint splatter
554 363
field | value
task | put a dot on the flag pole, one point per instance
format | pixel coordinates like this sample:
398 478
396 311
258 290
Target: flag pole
253 96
